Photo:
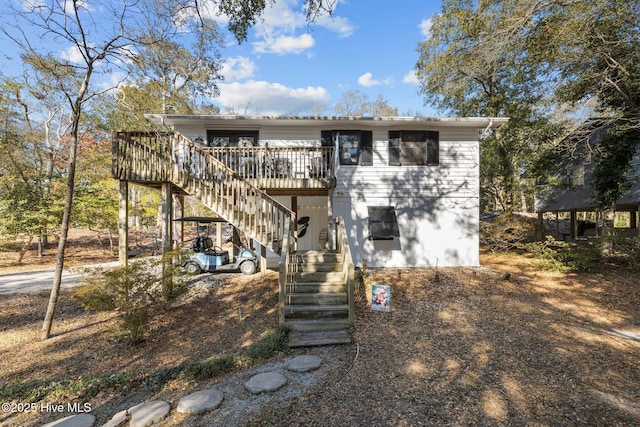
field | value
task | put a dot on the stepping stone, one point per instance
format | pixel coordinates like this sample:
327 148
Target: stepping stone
267 381
200 402
78 420
303 363
118 420
148 413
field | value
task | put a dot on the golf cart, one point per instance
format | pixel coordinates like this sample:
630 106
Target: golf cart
203 256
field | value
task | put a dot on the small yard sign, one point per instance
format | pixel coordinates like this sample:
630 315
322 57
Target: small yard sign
380 298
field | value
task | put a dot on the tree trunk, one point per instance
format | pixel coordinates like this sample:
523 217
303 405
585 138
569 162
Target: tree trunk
608 231
110 240
40 248
24 249
64 231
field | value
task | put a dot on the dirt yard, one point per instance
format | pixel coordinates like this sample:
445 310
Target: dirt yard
460 347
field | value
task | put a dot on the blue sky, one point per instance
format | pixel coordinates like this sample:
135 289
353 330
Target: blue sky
289 67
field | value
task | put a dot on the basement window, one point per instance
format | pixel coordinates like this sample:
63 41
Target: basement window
383 223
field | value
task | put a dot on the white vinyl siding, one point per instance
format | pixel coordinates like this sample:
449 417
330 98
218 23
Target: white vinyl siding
437 206
457 175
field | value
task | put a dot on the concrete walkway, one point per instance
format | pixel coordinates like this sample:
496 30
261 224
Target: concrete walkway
41 281
201 401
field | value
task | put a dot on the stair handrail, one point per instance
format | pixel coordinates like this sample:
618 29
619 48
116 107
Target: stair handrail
170 156
176 158
348 268
284 272
192 163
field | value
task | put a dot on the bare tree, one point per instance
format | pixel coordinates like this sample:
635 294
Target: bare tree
105 41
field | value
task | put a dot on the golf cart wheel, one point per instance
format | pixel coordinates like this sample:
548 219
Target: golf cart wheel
192 268
248 267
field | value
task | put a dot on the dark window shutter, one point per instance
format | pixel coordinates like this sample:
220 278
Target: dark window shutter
326 138
433 148
366 147
394 148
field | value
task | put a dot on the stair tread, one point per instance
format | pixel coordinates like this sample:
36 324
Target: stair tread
316 324
319 307
317 294
314 338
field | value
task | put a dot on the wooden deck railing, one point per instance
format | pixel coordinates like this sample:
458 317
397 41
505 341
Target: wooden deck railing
233 198
171 157
342 242
283 167
213 176
141 156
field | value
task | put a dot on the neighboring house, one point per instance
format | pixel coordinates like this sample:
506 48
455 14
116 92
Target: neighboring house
394 191
573 191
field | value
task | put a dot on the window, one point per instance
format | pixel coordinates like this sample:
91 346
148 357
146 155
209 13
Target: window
383 224
576 177
354 147
414 148
232 138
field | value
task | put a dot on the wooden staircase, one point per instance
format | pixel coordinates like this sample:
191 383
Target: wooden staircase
318 306
316 287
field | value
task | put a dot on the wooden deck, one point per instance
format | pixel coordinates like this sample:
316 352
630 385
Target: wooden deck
152 158
316 290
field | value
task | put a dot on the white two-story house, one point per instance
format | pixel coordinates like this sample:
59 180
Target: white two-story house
394 191
407 187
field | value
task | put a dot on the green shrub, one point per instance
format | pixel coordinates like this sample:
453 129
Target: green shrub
619 250
555 255
137 291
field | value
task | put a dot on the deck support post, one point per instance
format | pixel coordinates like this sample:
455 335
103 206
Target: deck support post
166 216
263 258
540 225
178 235
123 223
219 234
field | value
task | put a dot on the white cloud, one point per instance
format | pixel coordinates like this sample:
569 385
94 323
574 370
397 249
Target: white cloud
410 78
73 55
285 44
276 30
425 27
337 24
266 98
238 68
282 17
367 80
